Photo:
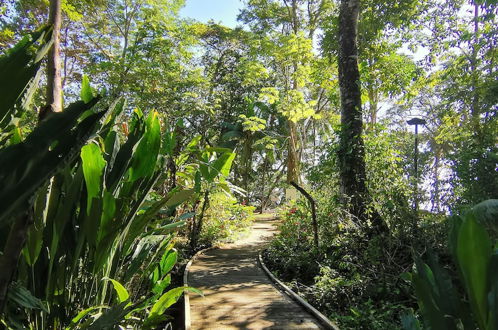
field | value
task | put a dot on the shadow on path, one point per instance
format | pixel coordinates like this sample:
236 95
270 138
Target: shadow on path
238 294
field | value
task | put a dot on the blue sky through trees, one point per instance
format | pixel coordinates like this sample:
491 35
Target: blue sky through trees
224 11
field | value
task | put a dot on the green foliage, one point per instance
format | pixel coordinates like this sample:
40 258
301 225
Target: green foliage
95 218
441 304
225 219
20 68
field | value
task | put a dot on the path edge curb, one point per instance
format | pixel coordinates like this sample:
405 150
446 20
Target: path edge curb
321 318
186 298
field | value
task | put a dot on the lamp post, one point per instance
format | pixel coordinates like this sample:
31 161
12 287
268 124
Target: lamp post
416 122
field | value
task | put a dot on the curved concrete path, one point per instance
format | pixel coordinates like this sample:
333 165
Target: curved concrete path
238 294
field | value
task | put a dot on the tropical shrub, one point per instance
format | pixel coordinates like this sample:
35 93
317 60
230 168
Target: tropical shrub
351 278
473 245
96 255
225 219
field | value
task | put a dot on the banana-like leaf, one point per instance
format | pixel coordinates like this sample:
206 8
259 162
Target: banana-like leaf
123 158
166 264
87 92
221 166
23 298
84 313
473 254
409 322
168 299
34 240
112 317
423 285
27 165
19 69
139 222
121 291
487 214
145 156
161 285
493 292
93 164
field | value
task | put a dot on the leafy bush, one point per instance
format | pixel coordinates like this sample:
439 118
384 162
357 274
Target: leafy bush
225 219
475 253
353 279
83 179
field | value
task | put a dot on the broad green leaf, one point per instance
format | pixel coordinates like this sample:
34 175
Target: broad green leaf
218 150
487 214
139 222
409 322
84 313
112 317
222 166
93 169
225 169
49 147
168 299
185 216
145 157
473 255
123 294
168 228
161 285
34 240
429 309
179 198
493 291
168 261
86 93
23 298
20 73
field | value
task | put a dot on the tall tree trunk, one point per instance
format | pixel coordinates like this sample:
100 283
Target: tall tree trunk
19 230
352 153
292 156
313 211
54 83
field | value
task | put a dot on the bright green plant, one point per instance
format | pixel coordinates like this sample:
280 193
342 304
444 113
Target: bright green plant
96 221
208 172
93 217
476 255
28 164
225 218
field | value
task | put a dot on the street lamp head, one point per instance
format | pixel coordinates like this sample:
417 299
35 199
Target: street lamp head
416 121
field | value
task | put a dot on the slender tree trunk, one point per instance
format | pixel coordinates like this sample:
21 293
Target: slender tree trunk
352 153
197 229
292 150
292 157
373 108
263 183
54 83
313 211
436 203
19 230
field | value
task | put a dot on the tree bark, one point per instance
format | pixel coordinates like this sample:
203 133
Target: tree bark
313 211
352 151
198 228
292 156
54 82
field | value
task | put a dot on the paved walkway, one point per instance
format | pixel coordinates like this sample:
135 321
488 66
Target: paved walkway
238 294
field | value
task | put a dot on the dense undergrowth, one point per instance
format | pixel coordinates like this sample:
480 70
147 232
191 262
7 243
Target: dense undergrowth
354 280
87 191
354 277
